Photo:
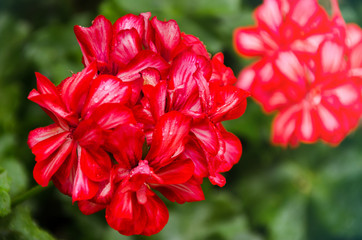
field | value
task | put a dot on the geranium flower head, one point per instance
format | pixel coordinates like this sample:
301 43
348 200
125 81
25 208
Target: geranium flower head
307 70
144 115
70 151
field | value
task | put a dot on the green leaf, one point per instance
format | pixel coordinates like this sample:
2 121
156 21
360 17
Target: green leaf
219 217
23 227
290 221
337 201
17 176
4 184
5 203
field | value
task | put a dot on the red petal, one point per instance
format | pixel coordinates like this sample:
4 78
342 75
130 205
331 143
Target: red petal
95 41
194 44
284 126
178 171
187 192
167 37
52 105
192 151
205 133
246 78
143 60
88 134
157 98
232 152
106 89
331 58
220 73
289 65
270 15
168 136
126 144
83 188
88 208
130 21
330 122
44 170
40 134
105 192
96 164
184 67
44 85
111 115
308 128
63 179
129 217
353 35
151 76
126 46
75 89
45 148
248 42
189 75
228 102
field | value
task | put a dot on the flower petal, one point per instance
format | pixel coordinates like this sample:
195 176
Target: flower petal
126 143
187 192
112 115
83 188
284 126
143 60
96 164
88 207
75 89
95 41
126 46
127 216
178 171
169 134
44 170
45 148
228 102
167 37
248 42
128 22
40 134
106 89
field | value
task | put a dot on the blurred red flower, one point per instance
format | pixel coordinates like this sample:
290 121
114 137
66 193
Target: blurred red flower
308 70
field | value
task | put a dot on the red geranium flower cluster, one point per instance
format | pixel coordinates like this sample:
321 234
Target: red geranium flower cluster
308 70
145 114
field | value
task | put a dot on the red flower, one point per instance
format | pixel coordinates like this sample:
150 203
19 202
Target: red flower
194 84
134 208
198 88
298 75
133 43
327 107
70 151
146 86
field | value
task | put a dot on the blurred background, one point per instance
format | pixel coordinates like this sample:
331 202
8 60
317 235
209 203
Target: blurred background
310 192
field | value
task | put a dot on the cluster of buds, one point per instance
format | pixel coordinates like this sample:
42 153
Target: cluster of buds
308 70
144 114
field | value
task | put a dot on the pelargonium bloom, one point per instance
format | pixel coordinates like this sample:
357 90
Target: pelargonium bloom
328 104
306 72
179 73
135 208
70 151
144 115
194 90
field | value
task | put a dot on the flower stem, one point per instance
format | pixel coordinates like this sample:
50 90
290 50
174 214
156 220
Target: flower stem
28 194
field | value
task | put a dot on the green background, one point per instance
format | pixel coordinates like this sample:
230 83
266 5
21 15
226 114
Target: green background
309 192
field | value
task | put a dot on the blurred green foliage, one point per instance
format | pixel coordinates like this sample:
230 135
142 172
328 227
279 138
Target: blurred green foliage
310 192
